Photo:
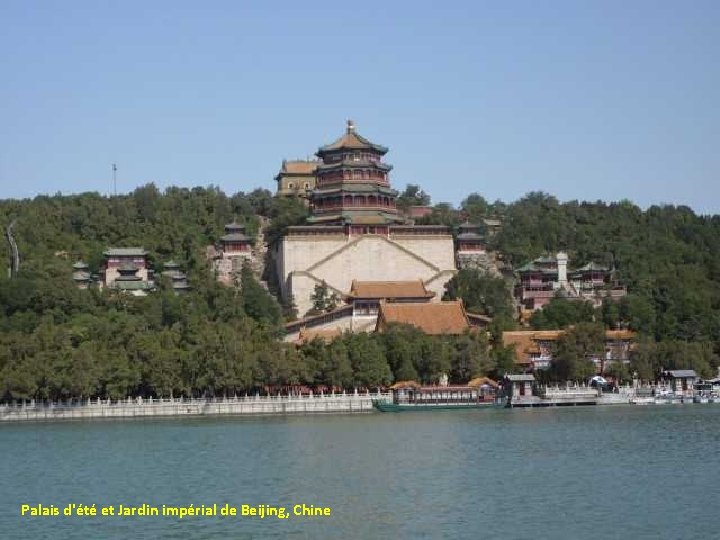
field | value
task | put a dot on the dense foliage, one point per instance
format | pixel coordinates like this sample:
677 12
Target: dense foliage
58 341
668 257
401 353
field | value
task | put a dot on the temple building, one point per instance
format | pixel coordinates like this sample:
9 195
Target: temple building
355 231
178 279
81 275
297 178
544 278
534 348
360 308
233 250
371 306
443 318
353 186
470 247
366 296
126 269
492 226
130 282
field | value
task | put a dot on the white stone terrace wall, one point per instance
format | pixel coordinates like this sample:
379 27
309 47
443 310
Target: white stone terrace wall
138 407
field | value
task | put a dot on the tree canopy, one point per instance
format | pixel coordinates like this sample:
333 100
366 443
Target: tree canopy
58 341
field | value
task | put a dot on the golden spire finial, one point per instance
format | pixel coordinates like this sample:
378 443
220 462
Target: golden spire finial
350 126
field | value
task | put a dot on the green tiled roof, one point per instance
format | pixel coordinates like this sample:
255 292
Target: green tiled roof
349 164
591 267
353 187
352 141
235 237
125 252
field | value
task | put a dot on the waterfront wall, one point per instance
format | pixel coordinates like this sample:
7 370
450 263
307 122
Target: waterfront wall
138 407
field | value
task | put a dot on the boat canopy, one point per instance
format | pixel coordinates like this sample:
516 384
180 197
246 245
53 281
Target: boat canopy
405 384
479 381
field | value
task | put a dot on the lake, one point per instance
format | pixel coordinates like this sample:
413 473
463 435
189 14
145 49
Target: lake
570 473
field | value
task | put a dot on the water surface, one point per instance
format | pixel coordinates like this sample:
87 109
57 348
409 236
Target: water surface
577 473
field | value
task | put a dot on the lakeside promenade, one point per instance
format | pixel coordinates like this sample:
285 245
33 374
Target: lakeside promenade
185 407
339 403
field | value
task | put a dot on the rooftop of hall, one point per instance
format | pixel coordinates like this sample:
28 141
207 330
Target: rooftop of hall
299 167
592 267
234 227
355 187
544 264
432 318
469 231
548 265
351 140
353 163
358 217
125 252
235 232
378 290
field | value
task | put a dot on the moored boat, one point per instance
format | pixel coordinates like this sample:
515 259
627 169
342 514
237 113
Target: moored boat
411 396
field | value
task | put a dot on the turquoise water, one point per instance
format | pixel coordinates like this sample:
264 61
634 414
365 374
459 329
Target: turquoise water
580 473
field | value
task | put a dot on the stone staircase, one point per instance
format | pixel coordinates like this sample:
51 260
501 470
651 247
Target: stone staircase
259 252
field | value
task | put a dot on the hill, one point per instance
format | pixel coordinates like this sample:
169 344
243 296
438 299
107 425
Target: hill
56 340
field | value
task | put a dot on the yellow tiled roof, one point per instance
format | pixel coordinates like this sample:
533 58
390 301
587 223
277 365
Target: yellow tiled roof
434 319
299 167
389 289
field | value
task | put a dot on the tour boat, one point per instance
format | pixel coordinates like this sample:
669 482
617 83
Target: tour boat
411 396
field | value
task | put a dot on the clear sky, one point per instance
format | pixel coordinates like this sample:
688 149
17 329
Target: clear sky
582 99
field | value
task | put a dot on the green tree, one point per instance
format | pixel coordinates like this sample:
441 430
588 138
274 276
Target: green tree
560 313
322 300
481 293
475 208
257 302
471 357
370 368
571 357
413 195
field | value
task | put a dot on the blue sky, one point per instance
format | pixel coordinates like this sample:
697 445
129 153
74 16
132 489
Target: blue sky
584 100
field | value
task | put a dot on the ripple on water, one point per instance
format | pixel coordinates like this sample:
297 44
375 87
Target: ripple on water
616 472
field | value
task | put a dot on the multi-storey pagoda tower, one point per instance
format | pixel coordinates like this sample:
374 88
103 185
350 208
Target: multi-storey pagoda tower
355 231
353 186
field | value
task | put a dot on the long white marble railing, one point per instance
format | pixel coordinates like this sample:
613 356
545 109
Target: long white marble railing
134 407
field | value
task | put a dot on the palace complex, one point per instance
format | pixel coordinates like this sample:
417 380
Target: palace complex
233 250
542 279
126 270
373 306
534 348
297 178
355 231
